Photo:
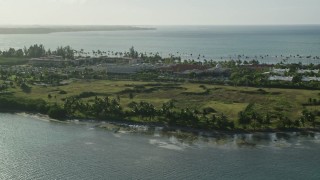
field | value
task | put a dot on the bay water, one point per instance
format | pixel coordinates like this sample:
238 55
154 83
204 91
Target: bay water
33 148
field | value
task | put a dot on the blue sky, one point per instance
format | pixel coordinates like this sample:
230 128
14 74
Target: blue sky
160 12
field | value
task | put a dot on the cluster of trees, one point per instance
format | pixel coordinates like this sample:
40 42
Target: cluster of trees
66 52
308 117
104 108
99 108
150 57
251 118
313 102
19 80
168 113
10 103
248 77
11 52
132 53
3 86
36 51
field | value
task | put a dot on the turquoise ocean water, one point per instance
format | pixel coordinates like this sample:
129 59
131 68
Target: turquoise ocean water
213 42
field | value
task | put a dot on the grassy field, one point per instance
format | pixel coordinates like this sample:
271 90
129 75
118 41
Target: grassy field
12 61
224 99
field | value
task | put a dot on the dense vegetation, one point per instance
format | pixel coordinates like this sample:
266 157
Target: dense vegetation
184 105
238 96
36 51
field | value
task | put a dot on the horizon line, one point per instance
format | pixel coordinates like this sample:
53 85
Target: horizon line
309 24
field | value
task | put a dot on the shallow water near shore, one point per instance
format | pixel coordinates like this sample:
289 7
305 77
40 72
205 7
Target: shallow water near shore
33 149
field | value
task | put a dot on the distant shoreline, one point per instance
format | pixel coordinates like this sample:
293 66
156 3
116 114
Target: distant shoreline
51 29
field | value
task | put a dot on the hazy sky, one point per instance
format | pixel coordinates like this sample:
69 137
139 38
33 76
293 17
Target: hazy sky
159 12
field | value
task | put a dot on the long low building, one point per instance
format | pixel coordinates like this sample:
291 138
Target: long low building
307 79
280 78
48 61
289 78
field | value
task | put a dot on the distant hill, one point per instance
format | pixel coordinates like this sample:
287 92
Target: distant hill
56 29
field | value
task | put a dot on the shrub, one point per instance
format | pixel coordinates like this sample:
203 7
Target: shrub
57 112
86 94
63 92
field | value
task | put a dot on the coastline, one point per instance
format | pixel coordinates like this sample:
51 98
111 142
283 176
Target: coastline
140 127
126 119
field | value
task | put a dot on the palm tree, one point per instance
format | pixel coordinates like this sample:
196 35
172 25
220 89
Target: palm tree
309 117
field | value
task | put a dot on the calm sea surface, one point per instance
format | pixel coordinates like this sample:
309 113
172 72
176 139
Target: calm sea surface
213 42
35 149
